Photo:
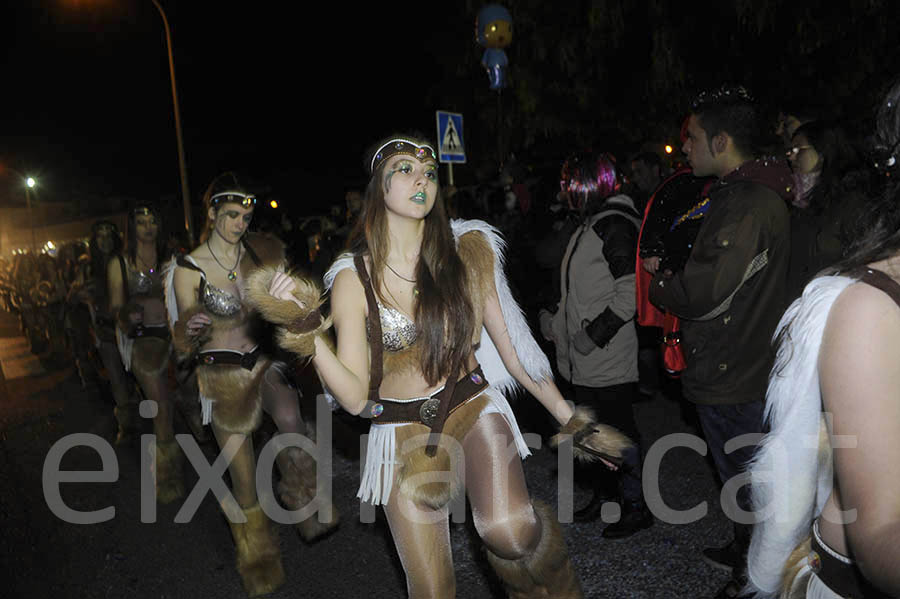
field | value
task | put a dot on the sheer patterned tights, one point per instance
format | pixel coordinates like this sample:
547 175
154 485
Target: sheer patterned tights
501 511
151 373
279 400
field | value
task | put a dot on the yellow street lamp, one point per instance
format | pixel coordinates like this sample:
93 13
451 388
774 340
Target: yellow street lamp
29 182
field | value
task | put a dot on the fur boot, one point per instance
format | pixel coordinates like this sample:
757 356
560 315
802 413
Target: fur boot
169 475
547 571
297 489
258 553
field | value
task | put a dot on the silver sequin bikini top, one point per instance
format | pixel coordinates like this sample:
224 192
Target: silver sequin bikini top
398 332
219 302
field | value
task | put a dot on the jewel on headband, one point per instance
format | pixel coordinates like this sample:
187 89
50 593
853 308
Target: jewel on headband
396 146
238 197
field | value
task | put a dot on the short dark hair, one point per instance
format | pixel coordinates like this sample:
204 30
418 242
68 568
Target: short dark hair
732 110
649 158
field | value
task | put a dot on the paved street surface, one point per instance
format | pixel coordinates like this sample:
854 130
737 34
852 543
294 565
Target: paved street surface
43 556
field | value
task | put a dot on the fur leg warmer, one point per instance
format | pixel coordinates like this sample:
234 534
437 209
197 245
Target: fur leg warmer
169 475
258 553
593 440
546 572
297 489
297 327
434 481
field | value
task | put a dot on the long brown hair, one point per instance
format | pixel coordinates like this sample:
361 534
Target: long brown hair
443 310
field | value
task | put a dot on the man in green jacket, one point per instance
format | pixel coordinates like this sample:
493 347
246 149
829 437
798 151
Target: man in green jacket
731 293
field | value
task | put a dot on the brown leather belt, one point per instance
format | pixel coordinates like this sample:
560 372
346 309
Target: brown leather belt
425 410
229 358
142 332
842 578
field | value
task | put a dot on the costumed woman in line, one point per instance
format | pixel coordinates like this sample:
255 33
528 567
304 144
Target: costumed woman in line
237 377
831 509
409 304
106 242
134 279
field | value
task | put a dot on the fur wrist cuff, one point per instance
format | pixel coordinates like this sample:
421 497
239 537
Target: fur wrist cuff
298 327
592 440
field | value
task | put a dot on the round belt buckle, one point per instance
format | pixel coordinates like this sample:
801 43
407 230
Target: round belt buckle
428 411
208 359
377 410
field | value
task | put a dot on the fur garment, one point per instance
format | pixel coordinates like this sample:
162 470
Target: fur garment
418 471
298 487
546 571
791 472
286 313
602 438
258 553
236 392
475 252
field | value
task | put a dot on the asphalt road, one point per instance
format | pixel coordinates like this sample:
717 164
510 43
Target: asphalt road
43 556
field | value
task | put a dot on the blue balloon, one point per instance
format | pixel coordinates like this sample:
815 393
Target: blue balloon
488 15
495 62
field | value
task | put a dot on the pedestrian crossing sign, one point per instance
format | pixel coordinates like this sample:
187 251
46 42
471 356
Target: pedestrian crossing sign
450 137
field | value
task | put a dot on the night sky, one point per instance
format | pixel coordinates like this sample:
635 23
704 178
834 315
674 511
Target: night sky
292 93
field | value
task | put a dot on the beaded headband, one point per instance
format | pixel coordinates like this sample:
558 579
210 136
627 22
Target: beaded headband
401 146
239 197
143 211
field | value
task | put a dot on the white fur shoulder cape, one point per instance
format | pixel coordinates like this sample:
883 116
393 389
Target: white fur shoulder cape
791 472
532 358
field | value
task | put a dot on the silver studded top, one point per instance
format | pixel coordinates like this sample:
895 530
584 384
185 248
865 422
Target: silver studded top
398 332
141 283
219 302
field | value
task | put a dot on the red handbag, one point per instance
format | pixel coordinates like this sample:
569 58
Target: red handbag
672 353
649 315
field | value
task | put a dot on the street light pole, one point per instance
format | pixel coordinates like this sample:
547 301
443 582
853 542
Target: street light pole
29 183
185 194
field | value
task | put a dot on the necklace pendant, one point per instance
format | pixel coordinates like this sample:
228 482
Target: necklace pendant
232 275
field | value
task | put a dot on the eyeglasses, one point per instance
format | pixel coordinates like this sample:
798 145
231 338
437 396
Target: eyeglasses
793 152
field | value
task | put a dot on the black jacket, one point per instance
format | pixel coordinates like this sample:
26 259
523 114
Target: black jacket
731 293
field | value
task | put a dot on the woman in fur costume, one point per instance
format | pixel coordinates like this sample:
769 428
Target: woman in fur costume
142 333
430 380
823 478
106 242
238 379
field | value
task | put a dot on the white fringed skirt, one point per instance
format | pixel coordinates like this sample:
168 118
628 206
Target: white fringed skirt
381 450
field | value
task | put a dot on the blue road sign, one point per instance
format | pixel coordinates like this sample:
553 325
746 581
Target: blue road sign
450 137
